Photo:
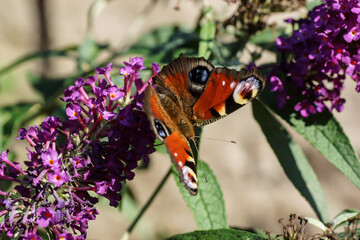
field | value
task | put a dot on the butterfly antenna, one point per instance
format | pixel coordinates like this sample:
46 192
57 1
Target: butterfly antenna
198 154
217 139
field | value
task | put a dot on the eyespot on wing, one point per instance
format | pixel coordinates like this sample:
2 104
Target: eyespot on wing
246 90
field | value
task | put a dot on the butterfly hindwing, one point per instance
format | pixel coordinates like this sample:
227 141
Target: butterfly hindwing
181 155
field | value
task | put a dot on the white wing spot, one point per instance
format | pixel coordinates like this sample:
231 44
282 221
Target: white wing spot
232 84
250 85
190 178
223 83
175 154
180 164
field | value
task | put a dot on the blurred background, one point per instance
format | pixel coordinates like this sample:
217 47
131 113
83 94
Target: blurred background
257 193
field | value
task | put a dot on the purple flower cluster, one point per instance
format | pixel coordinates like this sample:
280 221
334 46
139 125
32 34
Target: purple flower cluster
322 50
94 150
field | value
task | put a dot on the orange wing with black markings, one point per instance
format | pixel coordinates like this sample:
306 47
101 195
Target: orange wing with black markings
175 81
163 122
226 91
192 92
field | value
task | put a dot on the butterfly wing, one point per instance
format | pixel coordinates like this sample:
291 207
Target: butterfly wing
192 92
181 82
169 109
163 123
206 93
226 91
181 155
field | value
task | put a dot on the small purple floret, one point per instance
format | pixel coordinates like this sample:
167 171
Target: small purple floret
45 216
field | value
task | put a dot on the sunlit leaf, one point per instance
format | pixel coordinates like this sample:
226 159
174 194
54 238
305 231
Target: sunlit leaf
207 207
224 234
292 159
325 133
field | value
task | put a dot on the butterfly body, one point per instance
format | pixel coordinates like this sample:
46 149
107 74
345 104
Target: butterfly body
192 92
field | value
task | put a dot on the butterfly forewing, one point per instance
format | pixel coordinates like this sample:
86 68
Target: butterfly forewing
174 80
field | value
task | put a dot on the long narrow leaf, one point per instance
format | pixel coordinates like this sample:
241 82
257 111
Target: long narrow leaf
325 133
44 54
343 217
207 207
292 159
229 234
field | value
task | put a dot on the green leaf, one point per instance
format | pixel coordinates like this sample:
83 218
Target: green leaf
207 33
3 236
65 52
4 117
316 223
292 159
207 207
165 43
160 146
11 119
354 233
348 222
325 133
88 51
49 89
196 148
343 217
311 4
43 234
224 234
267 37
130 209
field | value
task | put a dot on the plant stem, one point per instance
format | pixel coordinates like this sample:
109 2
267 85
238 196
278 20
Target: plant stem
146 206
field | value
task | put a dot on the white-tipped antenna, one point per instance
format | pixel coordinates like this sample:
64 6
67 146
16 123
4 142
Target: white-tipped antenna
198 154
217 139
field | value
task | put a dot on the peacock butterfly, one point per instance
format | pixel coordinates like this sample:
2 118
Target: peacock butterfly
192 92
